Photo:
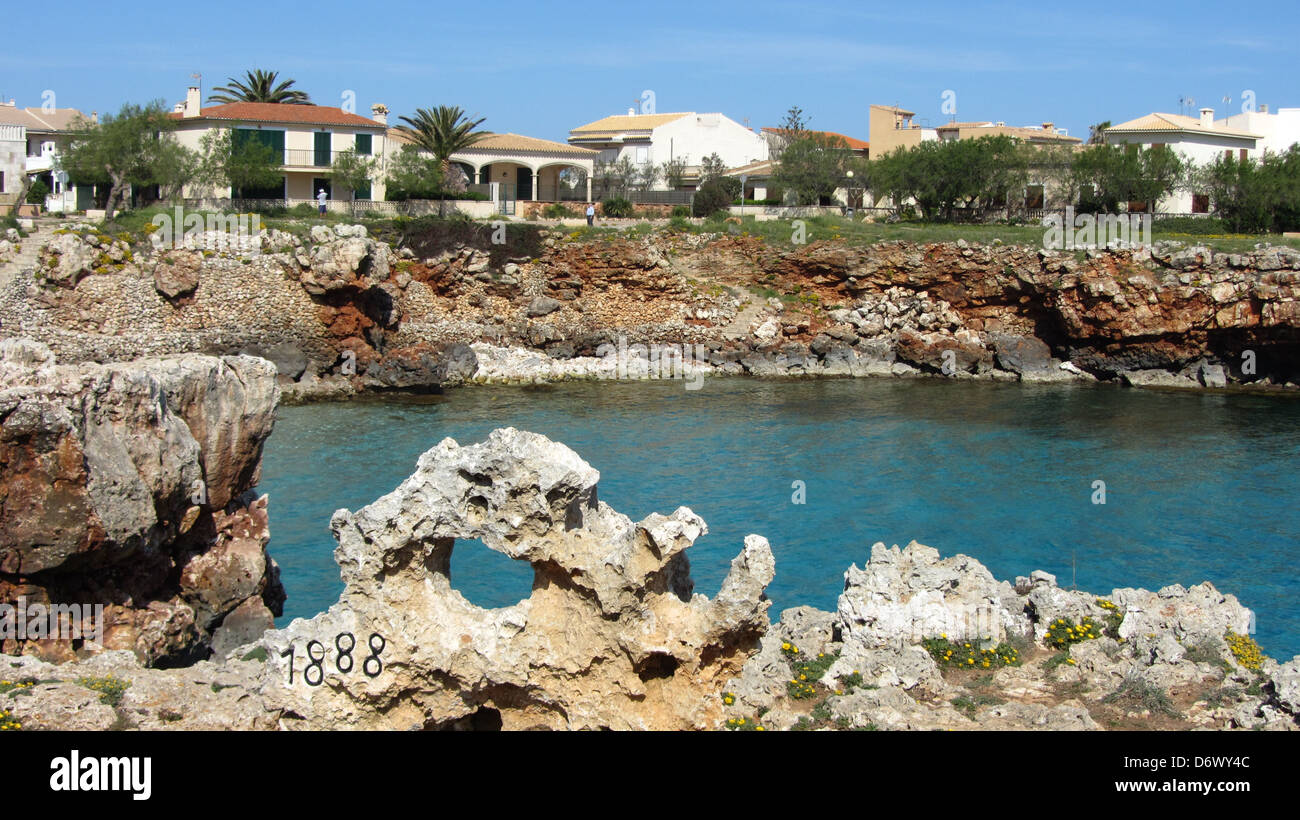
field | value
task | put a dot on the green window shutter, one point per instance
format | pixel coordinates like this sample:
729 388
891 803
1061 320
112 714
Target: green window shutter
322 146
363 144
363 192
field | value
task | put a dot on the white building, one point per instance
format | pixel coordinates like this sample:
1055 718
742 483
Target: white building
1197 140
44 132
1278 131
655 139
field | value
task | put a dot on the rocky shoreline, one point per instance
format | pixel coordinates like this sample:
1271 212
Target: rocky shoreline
129 487
614 635
341 313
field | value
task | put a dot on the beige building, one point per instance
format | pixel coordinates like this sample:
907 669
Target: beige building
522 168
310 137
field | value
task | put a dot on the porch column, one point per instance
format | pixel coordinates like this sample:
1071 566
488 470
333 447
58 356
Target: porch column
589 173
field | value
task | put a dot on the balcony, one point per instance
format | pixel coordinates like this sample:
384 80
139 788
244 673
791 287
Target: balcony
40 164
310 158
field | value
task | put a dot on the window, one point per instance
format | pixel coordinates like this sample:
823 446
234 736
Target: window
363 192
2 182
1242 155
1200 203
363 144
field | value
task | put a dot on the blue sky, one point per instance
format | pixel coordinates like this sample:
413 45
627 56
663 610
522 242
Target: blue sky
541 68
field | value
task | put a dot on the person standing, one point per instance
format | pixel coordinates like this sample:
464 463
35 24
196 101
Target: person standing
591 213
320 200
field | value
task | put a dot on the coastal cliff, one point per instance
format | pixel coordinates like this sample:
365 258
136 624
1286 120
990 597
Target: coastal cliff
613 634
340 311
128 486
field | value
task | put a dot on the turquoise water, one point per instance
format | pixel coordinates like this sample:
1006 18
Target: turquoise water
1198 487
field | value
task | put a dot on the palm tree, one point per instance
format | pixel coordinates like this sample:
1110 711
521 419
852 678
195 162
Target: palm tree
258 86
442 131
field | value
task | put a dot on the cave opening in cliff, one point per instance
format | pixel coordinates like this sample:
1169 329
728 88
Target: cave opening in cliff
486 577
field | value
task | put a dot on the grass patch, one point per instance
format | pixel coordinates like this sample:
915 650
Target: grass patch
969 705
1134 693
257 653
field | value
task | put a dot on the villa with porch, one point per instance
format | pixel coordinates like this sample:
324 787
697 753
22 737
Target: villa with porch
512 167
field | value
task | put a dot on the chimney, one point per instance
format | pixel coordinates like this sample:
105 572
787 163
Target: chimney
1047 126
192 101
379 113
631 112
1207 117
1263 108
94 118
178 108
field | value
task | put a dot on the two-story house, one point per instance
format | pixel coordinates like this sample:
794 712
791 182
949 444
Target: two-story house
1198 140
33 138
309 137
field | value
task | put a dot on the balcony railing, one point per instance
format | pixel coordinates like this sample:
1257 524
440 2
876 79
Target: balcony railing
311 158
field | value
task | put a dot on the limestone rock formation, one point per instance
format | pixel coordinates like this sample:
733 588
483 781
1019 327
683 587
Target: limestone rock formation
611 637
116 477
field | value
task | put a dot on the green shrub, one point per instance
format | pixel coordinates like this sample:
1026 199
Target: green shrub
805 672
110 688
969 655
1190 225
1064 632
302 209
712 197
616 207
556 210
1245 650
37 193
681 210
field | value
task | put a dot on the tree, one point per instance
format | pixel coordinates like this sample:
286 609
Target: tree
413 175
1097 132
250 166
792 128
674 172
813 165
134 148
1106 175
352 172
943 176
258 86
442 131
710 167
1255 196
645 176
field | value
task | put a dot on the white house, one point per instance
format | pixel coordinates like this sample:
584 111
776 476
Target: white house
1197 140
1278 131
654 139
44 132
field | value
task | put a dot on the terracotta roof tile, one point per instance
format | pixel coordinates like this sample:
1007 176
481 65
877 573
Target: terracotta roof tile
281 112
1174 123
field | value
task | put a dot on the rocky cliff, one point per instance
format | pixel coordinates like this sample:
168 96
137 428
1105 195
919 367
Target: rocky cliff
614 636
128 486
340 311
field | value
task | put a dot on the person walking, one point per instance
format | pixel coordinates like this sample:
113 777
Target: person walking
591 213
320 199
